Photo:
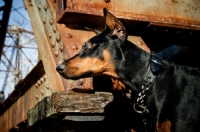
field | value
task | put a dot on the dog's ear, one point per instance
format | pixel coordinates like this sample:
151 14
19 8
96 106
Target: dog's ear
114 26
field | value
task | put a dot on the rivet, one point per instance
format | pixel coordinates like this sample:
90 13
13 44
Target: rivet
50 35
42 79
54 29
107 0
74 47
42 92
45 7
56 53
166 30
39 7
36 85
178 31
44 20
53 44
191 33
81 81
69 35
59 62
30 4
45 77
47 86
58 38
51 21
36 96
61 48
38 82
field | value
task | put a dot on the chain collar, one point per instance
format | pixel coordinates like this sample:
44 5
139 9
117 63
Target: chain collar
143 92
155 64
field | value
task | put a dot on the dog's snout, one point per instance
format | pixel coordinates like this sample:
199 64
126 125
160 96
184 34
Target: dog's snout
60 68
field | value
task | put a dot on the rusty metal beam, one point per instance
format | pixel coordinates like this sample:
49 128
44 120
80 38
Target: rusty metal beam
55 42
40 15
23 98
176 13
24 85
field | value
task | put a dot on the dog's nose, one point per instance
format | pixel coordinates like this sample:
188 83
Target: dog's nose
60 68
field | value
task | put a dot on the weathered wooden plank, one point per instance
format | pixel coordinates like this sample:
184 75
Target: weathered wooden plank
77 106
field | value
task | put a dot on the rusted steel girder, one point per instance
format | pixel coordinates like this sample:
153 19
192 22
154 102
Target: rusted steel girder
28 92
55 42
173 13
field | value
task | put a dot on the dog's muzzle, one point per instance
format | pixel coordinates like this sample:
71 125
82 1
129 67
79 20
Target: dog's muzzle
60 69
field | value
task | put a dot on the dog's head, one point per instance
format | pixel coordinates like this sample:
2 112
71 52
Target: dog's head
98 55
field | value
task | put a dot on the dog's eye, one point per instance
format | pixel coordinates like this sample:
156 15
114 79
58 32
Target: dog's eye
91 45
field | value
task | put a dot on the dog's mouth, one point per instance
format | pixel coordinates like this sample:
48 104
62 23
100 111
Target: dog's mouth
67 75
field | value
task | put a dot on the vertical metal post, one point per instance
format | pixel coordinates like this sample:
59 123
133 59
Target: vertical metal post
4 23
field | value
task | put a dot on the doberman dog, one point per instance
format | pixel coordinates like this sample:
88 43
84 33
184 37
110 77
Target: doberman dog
167 94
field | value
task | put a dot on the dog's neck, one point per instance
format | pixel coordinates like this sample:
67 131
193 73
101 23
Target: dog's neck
134 65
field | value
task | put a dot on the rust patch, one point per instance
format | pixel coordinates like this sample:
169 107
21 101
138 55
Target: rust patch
79 66
139 42
143 46
164 126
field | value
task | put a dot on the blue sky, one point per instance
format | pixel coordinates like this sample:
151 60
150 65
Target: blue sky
20 18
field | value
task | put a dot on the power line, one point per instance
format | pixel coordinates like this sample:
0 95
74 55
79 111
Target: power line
13 9
20 14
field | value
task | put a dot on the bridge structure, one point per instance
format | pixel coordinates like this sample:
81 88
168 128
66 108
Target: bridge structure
44 101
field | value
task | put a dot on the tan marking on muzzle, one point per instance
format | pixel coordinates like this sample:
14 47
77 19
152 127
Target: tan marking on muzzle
79 66
164 126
